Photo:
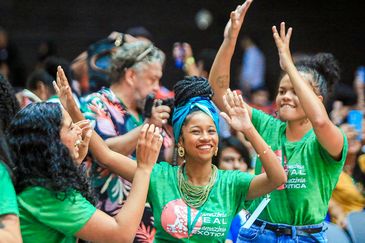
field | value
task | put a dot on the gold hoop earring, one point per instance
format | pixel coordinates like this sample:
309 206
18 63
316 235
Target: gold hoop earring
216 152
181 151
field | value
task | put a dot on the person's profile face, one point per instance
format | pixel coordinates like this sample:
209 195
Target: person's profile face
147 80
70 135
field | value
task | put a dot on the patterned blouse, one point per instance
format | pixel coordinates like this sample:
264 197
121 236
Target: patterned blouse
110 118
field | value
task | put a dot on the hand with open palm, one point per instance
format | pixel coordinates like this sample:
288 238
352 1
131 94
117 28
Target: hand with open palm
282 42
235 22
237 117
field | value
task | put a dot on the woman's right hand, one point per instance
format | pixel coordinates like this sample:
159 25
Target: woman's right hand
235 22
148 146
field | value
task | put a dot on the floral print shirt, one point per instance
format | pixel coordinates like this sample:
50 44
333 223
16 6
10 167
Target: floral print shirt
110 118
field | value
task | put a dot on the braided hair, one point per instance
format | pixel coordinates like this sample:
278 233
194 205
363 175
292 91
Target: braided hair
324 69
189 87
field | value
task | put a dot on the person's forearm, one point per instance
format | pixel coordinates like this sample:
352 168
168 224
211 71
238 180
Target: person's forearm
7 237
134 207
312 105
219 76
274 170
113 161
10 229
124 144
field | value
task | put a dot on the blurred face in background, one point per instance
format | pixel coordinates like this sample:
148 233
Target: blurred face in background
147 80
260 97
231 159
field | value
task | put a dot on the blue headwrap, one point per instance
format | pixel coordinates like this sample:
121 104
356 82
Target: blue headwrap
181 112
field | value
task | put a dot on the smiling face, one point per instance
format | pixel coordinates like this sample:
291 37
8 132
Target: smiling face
70 135
287 102
199 137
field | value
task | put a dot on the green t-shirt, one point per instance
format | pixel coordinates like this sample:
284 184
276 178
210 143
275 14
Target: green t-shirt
312 175
44 218
225 200
8 203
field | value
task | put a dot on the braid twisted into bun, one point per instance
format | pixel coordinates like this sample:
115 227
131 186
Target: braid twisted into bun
191 86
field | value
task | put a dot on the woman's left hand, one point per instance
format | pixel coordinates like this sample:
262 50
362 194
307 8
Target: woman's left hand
282 42
237 117
86 134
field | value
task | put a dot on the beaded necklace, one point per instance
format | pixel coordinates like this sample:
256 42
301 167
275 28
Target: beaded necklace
195 196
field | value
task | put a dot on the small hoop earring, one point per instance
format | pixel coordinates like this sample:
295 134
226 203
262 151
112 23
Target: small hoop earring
181 151
216 152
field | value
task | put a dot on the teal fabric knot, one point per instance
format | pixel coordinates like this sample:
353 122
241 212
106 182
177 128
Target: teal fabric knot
182 111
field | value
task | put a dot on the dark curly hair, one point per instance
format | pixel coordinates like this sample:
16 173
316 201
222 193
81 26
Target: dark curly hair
324 69
233 142
9 105
39 154
191 86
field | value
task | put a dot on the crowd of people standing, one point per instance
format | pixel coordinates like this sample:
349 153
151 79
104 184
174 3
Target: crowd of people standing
126 163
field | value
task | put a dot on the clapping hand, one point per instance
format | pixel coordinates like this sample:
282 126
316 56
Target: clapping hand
282 42
83 144
237 117
148 146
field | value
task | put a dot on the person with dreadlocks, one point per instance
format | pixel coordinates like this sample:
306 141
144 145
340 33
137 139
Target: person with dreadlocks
199 201
9 220
311 148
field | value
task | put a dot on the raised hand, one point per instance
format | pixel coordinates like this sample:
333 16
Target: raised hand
63 91
148 146
235 22
237 117
282 42
83 144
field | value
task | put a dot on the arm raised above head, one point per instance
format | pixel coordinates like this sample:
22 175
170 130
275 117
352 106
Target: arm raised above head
311 102
219 76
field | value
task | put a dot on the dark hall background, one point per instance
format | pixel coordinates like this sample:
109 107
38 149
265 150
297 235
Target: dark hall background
335 26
